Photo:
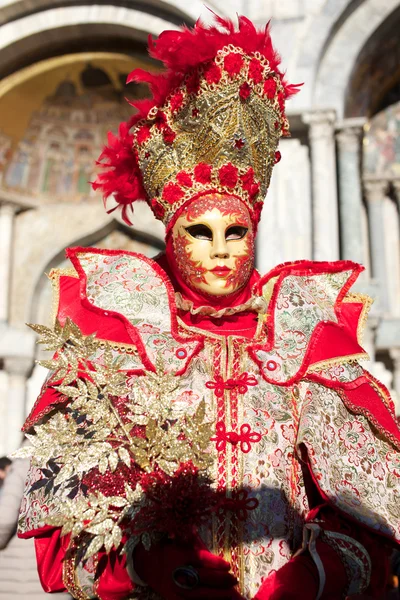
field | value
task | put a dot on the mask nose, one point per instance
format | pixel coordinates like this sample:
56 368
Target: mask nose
219 247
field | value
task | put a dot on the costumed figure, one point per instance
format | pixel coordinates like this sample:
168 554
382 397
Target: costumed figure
207 432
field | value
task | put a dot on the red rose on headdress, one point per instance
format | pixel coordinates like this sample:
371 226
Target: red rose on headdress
247 179
184 179
244 91
257 211
168 135
256 70
233 63
228 175
270 88
172 193
176 101
278 157
193 83
249 184
143 134
202 173
212 73
158 209
254 190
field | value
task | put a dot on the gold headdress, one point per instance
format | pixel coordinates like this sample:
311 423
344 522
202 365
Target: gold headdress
212 125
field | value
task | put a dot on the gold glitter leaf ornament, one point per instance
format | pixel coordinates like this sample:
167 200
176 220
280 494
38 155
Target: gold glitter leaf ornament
91 433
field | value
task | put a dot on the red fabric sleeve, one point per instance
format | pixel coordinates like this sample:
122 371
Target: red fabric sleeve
299 578
114 583
299 573
50 551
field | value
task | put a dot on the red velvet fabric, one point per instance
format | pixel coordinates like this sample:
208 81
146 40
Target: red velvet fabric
299 577
50 551
163 558
244 324
378 550
115 583
366 399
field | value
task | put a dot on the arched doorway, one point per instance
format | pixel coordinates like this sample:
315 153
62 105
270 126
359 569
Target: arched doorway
374 82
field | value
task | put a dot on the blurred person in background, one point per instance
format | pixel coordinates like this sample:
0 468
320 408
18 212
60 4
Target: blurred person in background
5 463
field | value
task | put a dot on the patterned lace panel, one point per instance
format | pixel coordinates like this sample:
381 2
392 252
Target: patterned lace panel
256 304
357 469
301 304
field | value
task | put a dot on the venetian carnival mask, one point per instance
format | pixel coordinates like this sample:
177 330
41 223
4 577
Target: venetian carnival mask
213 243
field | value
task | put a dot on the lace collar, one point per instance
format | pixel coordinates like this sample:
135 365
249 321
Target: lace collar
257 304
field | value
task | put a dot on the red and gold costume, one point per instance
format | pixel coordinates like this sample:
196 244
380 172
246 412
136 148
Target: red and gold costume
252 411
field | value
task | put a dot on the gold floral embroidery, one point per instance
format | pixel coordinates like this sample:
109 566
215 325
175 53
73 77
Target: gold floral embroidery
355 468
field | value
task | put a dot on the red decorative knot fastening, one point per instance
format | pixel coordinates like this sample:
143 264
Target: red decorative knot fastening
243 382
239 503
245 438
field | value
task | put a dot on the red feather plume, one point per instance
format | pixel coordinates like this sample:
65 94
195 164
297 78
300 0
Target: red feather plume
183 50
121 176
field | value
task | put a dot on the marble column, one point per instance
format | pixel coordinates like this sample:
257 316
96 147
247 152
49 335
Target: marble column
396 186
395 356
324 184
7 212
375 191
349 137
369 338
18 370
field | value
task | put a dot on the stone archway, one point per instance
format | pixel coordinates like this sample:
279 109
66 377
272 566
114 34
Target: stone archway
316 34
76 28
374 82
335 67
117 24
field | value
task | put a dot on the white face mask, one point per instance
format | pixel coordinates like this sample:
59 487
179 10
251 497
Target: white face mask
213 243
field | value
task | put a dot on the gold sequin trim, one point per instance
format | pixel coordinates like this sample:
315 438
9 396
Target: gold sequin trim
70 580
54 277
339 360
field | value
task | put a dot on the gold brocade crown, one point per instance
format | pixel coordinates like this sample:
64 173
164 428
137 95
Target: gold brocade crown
212 127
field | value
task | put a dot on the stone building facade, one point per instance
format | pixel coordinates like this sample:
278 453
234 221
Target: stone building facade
335 194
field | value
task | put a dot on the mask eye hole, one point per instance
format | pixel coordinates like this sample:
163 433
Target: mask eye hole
236 232
200 232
